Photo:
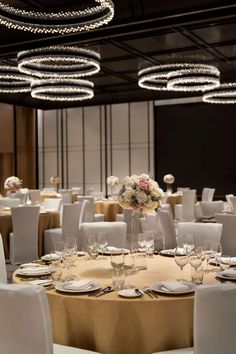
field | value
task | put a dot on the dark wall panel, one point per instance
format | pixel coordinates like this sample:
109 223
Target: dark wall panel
197 144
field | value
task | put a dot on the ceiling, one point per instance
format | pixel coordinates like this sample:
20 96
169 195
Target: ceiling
143 32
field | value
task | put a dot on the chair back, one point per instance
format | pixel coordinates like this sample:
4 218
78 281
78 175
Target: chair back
215 319
34 195
76 190
116 232
90 207
25 324
70 220
24 241
3 271
167 228
20 195
233 203
52 204
208 194
228 239
66 195
200 232
9 202
188 200
208 209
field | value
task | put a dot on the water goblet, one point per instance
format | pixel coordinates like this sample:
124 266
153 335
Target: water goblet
59 248
118 279
68 259
197 275
102 241
129 263
216 252
93 247
188 243
141 241
195 261
181 260
207 253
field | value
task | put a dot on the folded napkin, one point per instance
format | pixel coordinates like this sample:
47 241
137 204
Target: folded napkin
229 273
35 270
30 265
114 249
51 256
83 284
174 285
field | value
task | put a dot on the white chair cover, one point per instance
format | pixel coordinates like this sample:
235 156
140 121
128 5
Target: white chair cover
228 238
91 216
9 202
116 232
34 195
25 322
20 195
208 209
3 271
208 194
52 204
233 203
185 211
167 228
24 238
200 232
70 227
66 195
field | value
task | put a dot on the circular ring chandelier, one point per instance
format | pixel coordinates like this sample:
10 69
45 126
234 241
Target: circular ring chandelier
199 77
62 90
224 94
12 81
59 61
159 77
63 21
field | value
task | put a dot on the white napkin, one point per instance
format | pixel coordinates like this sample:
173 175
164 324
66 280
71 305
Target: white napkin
229 273
52 256
174 285
34 270
30 265
83 284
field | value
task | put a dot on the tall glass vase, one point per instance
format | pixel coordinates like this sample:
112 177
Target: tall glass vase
168 188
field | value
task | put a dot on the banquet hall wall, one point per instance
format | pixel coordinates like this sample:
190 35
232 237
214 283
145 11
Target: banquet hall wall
84 145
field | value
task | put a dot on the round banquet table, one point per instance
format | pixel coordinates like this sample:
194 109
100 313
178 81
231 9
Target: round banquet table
113 325
47 220
109 208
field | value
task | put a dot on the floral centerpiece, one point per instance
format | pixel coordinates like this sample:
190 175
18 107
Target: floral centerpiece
168 179
12 184
112 181
140 193
55 180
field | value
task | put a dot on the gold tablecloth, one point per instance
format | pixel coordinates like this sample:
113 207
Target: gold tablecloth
46 221
115 325
44 195
173 199
109 208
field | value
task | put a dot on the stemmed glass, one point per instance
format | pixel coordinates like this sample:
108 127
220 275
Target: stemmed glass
149 242
216 252
188 243
142 242
93 247
181 260
207 252
102 241
71 246
59 248
129 263
195 260
68 260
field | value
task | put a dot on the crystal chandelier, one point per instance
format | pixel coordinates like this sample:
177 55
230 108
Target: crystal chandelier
224 94
63 21
62 89
12 81
59 61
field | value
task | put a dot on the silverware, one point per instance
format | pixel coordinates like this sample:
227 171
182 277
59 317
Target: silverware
139 292
100 292
150 293
104 292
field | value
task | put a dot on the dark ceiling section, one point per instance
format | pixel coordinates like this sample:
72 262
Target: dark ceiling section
143 32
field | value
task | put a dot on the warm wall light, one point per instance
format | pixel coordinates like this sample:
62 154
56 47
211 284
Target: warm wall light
224 94
62 90
63 21
59 61
12 81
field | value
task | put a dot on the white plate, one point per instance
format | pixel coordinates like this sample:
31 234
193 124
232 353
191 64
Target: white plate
159 288
49 257
33 273
131 293
30 265
232 261
113 250
222 276
61 287
43 282
81 253
170 252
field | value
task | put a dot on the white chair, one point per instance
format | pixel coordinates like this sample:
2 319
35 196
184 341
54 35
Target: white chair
89 191
23 196
167 228
24 238
229 206
25 322
91 216
9 202
66 196
76 190
70 227
200 232
208 194
34 195
214 321
228 238
127 218
208 209
52 204
233 203
185 211
3 271
116 232
181 189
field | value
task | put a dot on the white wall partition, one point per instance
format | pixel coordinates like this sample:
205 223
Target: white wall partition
86 145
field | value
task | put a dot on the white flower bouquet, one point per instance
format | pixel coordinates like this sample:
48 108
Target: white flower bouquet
55 180
12 184
112 181
140 193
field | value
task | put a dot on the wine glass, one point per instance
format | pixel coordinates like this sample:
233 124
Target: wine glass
141 241
195 261
129 263
216 252
93 247
188 243
149 242
59 248
68 260
207 252
181 260
71 244
102 241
